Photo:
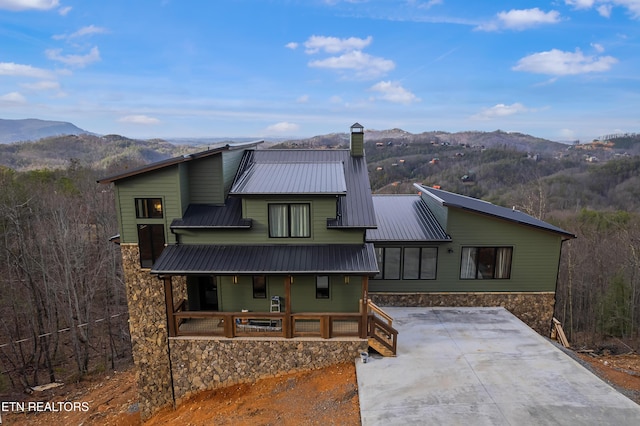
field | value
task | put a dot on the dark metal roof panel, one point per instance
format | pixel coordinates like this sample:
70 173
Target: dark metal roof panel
404 218
228 215
449 199
266 259
292 178
355 207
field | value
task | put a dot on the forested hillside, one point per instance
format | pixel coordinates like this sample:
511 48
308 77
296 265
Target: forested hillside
63 304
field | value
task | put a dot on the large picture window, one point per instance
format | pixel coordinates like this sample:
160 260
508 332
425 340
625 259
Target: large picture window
149 208
408 263
289 221
150 243
486 263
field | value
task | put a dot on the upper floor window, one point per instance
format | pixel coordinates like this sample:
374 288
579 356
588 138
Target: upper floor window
289 221
486 263
149 208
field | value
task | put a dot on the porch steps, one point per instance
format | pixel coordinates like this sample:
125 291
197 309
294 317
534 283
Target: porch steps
378 347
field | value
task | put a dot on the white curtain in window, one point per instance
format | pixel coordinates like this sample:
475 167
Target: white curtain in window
503 262
468 263
300 220
278 223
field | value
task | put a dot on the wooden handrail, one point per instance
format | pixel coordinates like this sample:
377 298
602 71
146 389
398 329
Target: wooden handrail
391 342
378 311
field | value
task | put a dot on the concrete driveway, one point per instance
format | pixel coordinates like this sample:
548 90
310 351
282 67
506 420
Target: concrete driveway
481 366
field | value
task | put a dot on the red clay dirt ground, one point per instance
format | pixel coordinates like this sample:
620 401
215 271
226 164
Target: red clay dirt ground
322 397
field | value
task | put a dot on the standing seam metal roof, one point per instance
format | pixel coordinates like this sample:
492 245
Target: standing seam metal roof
449 199
405 218
186 259
355 207
292 178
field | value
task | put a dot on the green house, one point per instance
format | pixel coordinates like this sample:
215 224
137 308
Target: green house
237 251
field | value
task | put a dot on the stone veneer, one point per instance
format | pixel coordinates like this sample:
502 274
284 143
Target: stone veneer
149 335
168 370
208 363
534 309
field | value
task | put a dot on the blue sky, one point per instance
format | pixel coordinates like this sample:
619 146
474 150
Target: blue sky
562 70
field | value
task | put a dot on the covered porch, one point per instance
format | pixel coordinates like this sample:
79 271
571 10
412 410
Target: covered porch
271 291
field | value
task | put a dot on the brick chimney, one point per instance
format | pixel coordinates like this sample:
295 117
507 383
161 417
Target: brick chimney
356 144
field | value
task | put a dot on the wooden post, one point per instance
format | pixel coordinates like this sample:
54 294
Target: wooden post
287 326
365 308
168 298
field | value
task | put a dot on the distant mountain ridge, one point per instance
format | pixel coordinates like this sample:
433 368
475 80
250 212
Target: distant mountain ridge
31 129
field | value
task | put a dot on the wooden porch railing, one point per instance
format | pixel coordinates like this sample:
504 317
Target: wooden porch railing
378 325
271 324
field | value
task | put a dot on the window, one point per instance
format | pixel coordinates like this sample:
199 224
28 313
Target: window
150 243
408 263
149 208
259 287
289 221
486 263
322 287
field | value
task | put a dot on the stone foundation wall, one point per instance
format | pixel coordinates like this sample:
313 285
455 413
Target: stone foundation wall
149 335
201 364
534 309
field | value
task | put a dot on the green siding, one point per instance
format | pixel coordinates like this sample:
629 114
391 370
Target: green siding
163 183
205 180
343 297
184 186
230 163
257 210
438 210
534 265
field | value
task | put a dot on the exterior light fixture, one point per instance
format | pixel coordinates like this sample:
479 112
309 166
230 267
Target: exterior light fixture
235 279
346 279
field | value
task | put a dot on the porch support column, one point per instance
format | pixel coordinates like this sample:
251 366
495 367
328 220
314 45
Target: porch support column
364 332
288 330
168 298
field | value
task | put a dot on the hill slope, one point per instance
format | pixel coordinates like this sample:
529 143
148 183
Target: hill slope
32 129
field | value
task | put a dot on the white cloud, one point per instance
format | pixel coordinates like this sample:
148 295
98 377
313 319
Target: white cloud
598 47
42 85
64 11
292 45
394 92
521 19
10 68
303 99
28 4
580 4
139 119
605 10
334 44
365 65
604 7
426 4
282 127
84 31
557 62
13 98
501 110
335 99
79 61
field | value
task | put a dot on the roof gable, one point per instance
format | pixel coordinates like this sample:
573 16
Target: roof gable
449 199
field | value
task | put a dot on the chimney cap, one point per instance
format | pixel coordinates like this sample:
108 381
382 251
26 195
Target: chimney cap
357 128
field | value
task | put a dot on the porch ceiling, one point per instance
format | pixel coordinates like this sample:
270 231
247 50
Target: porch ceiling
283 259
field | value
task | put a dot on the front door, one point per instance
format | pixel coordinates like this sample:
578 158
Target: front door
202 293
